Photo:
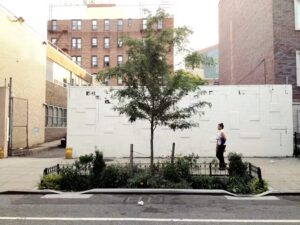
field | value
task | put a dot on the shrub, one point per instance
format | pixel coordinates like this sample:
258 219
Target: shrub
51 181
74 180
238 185
139 180
237 168
97 169
115 176
175 173
257 187
206 182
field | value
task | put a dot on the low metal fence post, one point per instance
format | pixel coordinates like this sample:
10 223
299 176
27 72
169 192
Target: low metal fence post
250 168
210 170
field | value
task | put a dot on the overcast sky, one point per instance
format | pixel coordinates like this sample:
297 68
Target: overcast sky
200 15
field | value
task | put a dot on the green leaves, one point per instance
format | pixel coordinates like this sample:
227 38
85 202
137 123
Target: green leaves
153 91
195 59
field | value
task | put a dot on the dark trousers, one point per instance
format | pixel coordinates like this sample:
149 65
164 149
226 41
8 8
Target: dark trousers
220 156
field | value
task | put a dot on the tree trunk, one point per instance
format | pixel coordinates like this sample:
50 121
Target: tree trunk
151 146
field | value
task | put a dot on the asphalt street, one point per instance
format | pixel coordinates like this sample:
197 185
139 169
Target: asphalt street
157 209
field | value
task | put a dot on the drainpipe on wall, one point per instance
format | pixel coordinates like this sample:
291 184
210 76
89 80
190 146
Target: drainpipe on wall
10 118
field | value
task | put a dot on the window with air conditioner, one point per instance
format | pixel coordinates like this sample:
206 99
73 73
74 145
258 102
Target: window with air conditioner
106 61
120 42
94 42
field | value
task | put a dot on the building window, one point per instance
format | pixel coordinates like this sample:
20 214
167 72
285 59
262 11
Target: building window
119 81
76 24
64 117
94 61
46 116
159 24
53 24
120 24
94 24
120 42
106 25
297 14
54 41
106 42
55 116
129 22
77 60
76 42
120 60
106 61
144 24
298 67
94 42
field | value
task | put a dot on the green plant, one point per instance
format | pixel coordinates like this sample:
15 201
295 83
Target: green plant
237 168
139 180
177 171
153 90
206 182
238 185
97 169
73 179
115 176
257 186
51 181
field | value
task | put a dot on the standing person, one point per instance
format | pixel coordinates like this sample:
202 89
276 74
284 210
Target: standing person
220 147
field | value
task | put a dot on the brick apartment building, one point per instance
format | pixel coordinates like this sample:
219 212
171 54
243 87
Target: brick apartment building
95 40
259 42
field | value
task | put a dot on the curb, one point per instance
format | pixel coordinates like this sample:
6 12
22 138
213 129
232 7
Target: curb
31 192
129 191
157 191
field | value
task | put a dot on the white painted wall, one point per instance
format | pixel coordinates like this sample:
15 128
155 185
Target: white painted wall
258 122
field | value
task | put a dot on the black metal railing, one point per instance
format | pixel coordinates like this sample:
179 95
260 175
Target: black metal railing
199 169
255 171
55 169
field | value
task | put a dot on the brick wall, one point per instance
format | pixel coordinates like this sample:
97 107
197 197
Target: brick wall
286 43
56 95
246 42
86 34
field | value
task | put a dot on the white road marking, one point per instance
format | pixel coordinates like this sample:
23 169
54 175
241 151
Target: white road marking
67 196
149 220
262 198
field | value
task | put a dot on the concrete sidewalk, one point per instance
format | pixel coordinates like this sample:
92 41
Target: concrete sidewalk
24 173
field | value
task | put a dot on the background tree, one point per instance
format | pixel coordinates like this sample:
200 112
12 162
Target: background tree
195 59
152 89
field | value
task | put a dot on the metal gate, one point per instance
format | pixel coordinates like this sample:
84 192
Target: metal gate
19 123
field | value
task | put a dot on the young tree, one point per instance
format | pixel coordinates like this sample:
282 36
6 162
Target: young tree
195 59
152 89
